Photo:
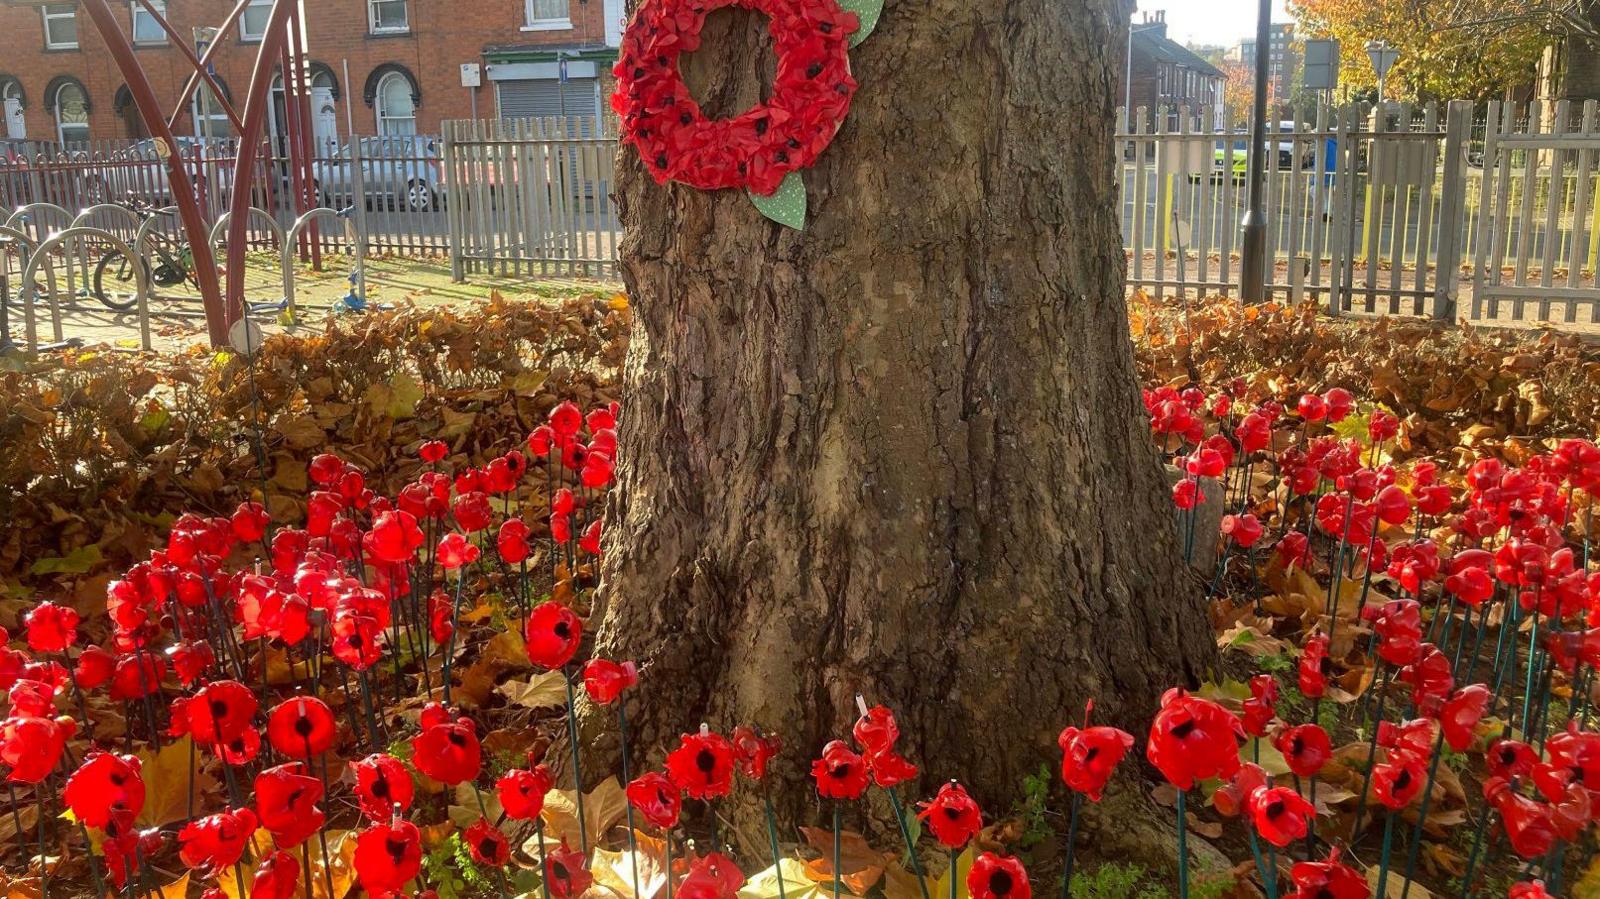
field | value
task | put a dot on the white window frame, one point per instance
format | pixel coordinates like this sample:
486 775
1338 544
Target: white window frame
245 34
380 114
55 11
554 23
210 121
372 17
138 13
62 126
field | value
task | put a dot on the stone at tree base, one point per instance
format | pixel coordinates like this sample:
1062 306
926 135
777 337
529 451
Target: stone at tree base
1207 525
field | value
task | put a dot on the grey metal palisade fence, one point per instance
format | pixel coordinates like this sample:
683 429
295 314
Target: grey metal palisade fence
1488 213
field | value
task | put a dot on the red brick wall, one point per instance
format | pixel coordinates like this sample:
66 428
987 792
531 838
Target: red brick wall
444 34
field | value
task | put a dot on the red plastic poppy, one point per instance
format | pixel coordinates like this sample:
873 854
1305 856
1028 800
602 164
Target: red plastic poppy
487 844
382 784
301 726
1261 707
1245 530
657 798
711 876
1193 738
94 668
565 872
456 551
840 773
512 541
394 537
1461 715
753 750
249 522
702 765
952 816
433 451
998 877
1397 780
1330 879
1306 748
105 785
216 842
1090 755
1527 823
1527 889
1381 426
51 628
552 635
137 675
277 878
286 803
448 752
605 680
388 856
1509 759
756 149
877 732
217 713
1280 814
32 746
1232 797
522 791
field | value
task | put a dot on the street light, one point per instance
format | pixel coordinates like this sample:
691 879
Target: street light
1253 249
1383 59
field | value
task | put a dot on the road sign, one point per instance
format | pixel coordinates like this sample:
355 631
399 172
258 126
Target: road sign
1322 64
471 74
1383 57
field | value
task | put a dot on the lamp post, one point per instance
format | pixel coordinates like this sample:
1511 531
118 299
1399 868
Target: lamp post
1253 250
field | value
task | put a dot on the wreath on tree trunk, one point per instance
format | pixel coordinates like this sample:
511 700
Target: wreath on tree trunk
762 148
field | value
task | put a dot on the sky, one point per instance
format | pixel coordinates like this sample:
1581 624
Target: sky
1219 22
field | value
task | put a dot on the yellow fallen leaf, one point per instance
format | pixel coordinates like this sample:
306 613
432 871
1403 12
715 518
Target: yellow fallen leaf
169 776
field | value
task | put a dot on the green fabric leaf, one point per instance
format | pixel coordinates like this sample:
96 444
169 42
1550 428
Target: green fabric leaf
868 12
787 205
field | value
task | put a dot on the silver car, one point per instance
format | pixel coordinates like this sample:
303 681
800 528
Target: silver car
400 171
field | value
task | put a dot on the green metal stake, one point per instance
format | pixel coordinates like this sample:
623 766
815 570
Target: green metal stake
838 876
772 837
1072 844
1183 850
905 834
577 771
1383 860
1422 814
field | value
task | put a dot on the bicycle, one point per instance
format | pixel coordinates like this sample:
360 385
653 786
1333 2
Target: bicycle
174 265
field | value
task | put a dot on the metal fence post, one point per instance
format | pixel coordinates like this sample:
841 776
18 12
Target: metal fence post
1452 203
453 201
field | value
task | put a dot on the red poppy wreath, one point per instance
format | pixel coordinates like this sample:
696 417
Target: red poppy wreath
763 148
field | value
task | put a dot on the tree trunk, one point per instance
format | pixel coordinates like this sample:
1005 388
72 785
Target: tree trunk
901 452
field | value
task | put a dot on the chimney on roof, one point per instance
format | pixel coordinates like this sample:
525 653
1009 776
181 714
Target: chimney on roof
1155 22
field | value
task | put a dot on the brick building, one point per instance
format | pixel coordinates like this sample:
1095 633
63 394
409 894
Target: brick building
1165 76
404 60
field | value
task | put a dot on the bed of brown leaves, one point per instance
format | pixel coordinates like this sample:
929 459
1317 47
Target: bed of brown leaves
1459 390
103 449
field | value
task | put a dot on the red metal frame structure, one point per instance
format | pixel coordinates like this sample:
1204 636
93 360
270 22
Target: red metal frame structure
283 43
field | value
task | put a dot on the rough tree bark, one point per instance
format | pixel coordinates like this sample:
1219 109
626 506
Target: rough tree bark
901 452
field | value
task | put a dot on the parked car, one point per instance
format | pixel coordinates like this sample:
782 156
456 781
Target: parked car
398 171
138 174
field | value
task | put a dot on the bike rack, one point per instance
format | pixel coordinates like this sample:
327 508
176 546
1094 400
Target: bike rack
21 238
358 249
80 220
256 212
23 212
141 290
